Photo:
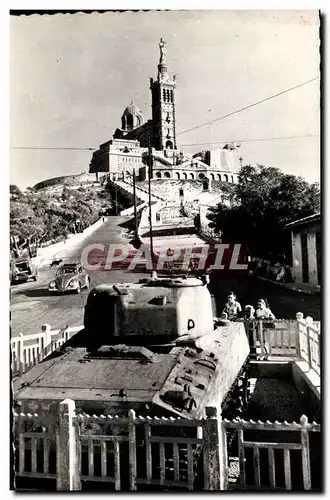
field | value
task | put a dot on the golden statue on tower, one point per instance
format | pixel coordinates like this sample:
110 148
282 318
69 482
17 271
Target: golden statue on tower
162 48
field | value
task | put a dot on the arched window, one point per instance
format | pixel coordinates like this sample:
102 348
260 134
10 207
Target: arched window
192 176
212 177
184 175
201 176
177 175
219 177
167 175
226 178
130 121
169 144
232 179
158 175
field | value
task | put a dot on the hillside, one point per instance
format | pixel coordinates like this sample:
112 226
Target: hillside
43 216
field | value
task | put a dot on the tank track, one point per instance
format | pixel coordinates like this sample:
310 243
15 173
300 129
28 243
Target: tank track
234 406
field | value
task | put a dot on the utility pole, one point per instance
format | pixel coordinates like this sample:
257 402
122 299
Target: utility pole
150 165
116 198
135 211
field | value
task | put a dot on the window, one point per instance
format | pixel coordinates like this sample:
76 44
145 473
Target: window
178 177
158 175
201 176
226 178
167 175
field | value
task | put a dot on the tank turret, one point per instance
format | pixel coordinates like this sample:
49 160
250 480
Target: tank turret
152 310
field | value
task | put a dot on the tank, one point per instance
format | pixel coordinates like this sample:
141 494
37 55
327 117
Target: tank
152 346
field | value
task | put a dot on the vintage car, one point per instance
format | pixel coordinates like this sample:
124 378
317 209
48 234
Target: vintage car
21 270
69 278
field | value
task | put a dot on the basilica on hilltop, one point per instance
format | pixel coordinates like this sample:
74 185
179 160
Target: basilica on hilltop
129 147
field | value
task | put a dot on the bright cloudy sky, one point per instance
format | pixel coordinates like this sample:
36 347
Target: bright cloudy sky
71 76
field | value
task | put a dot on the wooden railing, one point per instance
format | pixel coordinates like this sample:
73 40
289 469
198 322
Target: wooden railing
309 341
146 451
27 350
262 467
135 452
298 339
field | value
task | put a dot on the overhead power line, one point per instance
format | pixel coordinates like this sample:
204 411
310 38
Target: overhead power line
54 149
251 140
184 145
248 107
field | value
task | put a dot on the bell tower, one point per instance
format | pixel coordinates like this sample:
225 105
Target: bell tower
163 105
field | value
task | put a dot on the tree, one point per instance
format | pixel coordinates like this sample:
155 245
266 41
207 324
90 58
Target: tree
15 191
37 215
265 200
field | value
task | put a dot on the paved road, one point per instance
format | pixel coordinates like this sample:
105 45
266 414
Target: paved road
31 304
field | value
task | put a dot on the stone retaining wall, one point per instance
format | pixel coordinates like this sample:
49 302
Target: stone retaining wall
46 254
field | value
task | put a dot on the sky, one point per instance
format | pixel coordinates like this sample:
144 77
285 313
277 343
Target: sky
71 77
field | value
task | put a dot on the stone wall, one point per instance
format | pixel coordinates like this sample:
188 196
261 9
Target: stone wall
46 254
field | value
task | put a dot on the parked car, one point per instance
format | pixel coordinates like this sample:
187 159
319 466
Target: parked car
21 270
69 278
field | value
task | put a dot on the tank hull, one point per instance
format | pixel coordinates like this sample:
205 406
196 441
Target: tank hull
207 366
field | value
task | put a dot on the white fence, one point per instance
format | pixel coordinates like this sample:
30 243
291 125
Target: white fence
135 452
309 341
27 350
281 460
298 338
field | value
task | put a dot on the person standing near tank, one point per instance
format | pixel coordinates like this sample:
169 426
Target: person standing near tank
232 308
263 310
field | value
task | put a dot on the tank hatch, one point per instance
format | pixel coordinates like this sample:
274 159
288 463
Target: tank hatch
177 281
123 351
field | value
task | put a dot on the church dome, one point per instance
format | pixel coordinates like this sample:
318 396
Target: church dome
132 117
132 109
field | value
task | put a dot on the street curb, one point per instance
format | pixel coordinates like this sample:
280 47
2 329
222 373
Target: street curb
293 289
